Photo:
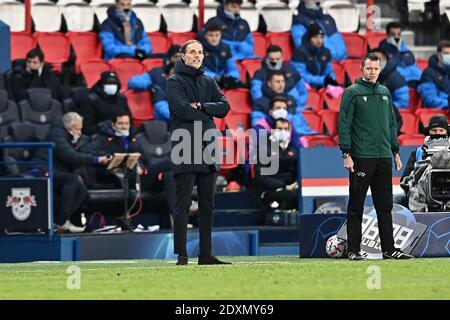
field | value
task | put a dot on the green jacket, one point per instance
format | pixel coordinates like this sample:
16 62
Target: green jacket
367 126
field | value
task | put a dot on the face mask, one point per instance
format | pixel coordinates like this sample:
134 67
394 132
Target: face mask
281 135
312 5
231 15
396 41
122 133
75 138
279 113
274 65
383 65
110 89
446 59
438 136
33 72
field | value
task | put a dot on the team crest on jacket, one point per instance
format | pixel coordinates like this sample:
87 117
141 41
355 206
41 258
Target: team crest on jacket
223 53
21 202
385 98
241 27
288 75
324 57
365 98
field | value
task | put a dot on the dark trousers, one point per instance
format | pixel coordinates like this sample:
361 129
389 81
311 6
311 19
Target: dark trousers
376 173
70 193
184 183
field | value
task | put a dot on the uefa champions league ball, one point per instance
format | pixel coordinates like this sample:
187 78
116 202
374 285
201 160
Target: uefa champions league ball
335 247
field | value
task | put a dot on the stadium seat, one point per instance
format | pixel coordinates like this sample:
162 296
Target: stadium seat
91 71
179 17
242 71
260 44
339 72
125 69
141 106
220 123
9 113
374 39
410 122
13 14
330 121
352 68
424 114
313 119
356 45
160 43
251 66
76 98
86 46
422 63
79 16
180 38
282 39
237 121
21 43
251 15
277 16
239 100
228 154
415 101
149 14
55 46
47 16
152 63
344 12
332 103
411 140
315 100
40 110
318 141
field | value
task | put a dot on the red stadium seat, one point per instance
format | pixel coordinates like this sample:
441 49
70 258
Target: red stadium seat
125 69
374 39
330 121
237 121
356 45
318 141
55 46
422 63
352 69
228 153
424 115
415 101
410 123
152 63
21 43
339 72
91 71
141 106
242 72
251 66
86 45
220 123
180 38
315 100
332 103
160 43
260 44
313 119
239 100
411 140
282 39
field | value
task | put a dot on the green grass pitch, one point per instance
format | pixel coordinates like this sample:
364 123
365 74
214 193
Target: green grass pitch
279 277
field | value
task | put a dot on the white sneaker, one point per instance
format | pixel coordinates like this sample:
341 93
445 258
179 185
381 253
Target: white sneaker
68 226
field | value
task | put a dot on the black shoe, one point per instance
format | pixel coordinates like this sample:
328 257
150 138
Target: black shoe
356 256
182 261
124 223
210 260
397 254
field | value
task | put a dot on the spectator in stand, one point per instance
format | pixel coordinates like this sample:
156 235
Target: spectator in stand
102 102
313 60
398 51
434 86
34 73
274 62
309 11
122 34
275 86
235 30
218 63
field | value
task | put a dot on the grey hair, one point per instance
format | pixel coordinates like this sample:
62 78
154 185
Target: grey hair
70 118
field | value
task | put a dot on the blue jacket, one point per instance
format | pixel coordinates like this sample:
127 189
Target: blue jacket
313 64
333 39
156 81
235 33
404 59
295 116
113 38
218 60
295 85
434 84
396 84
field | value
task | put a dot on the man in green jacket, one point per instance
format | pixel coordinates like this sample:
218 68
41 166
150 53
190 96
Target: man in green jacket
368 140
